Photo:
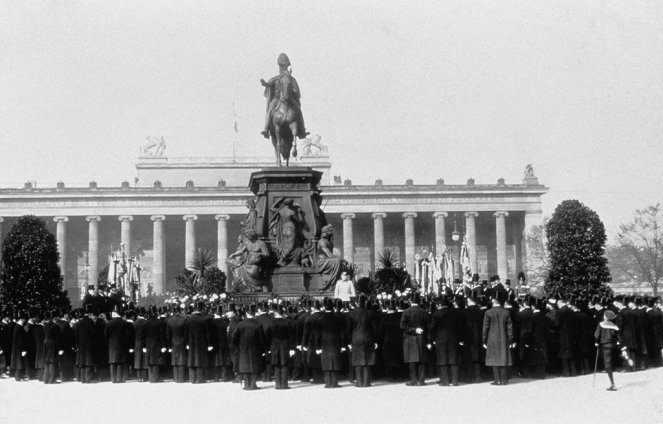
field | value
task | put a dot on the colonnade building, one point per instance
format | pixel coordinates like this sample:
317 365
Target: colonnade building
177 205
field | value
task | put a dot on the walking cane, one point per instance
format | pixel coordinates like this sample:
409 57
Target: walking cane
596 365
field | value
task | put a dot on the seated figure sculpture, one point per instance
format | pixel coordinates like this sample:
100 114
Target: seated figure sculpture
250 270
328 265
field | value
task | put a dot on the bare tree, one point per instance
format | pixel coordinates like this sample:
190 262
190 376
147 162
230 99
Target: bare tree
639 250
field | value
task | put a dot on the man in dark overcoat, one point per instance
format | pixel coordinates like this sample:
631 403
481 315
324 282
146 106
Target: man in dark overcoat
84 335
654 331
117 340
414 323
19 348
100 348
140 360
249 339
280 342
498 339
329 340
155 344
363 342
445 332
221 362
264 318
176 339
566 333
199 342
472 349
38 337
66 359
309 343
51 348
390 341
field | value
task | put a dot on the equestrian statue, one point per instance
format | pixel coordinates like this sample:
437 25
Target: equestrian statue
284 122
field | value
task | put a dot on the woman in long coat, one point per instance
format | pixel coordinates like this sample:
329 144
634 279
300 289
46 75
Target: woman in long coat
497 339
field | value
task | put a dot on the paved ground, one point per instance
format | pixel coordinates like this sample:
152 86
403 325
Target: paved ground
555 400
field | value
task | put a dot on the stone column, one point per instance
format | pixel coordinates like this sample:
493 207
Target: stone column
378 235
222 243
532 219
440 232
61 237
189 239
500 237
93 250
471 234
159 252
125 232
348 241
409 240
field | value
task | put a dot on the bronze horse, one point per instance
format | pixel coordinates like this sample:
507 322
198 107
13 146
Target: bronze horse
283 127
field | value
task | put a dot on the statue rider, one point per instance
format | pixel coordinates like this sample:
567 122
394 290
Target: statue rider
272 92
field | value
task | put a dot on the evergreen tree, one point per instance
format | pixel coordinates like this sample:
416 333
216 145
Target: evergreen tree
576 247
31 275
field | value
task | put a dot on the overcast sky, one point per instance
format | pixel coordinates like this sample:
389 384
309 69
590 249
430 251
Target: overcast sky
397 90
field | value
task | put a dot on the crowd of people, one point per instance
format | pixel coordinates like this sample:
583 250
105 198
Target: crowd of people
459 337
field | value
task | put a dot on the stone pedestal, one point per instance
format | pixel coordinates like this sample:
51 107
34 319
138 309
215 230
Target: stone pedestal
301 185
297 183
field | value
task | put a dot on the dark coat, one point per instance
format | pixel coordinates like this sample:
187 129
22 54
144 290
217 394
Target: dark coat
445 331
539 339
51 343
249 339
66 338
473 351
654 330
221 345
627 321
155 340
567 333
117 339
140 360
280 339
31 345
414 345
199 338
584 333
38 336
497 336
640 322
390 339
234 352
309 341
84 333
6 341
176 339
362 328
99 345
524 335
329 336
19 345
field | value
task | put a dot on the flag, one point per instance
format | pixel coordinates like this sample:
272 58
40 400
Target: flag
465 262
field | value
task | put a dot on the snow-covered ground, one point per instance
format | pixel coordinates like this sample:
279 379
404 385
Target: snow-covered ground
555 400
